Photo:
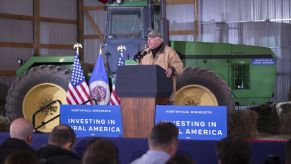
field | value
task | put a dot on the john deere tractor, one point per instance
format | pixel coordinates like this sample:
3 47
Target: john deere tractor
216 74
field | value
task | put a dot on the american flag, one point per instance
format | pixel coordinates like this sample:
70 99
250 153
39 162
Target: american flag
78 91
114 99
120 60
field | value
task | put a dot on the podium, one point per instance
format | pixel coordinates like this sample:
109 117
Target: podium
140 87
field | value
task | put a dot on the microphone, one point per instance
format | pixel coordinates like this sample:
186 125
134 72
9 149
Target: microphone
139 55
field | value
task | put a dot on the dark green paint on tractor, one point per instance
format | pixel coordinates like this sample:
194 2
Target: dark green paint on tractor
251 83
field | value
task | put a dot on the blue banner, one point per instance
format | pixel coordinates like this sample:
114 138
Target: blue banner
263 61
195 122
93 120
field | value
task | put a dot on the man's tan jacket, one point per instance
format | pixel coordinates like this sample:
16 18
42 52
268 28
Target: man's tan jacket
166 58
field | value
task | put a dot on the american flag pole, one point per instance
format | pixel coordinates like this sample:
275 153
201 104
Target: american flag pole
78 90
77 46
100 49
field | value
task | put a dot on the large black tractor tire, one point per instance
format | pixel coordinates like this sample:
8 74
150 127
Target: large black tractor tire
206 81
200 86
35 88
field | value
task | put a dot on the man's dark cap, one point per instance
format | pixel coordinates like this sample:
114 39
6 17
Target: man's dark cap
154 33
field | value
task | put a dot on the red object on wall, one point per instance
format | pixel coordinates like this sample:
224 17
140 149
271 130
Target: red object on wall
103 1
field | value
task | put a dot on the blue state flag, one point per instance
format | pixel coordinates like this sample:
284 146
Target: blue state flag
99 85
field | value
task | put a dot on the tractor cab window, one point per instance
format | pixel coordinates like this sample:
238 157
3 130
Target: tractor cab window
126 23
241 76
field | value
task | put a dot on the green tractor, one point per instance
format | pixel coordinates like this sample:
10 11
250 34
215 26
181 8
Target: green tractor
216 74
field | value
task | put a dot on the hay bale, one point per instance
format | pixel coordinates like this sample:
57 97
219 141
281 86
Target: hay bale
284 112
4 124
268 121
244 124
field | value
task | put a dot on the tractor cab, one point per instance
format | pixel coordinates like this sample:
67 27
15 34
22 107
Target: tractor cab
128 23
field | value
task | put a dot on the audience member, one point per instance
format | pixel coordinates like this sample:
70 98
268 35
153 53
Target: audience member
287 152
272 159
58 150
163 143
20 138
21 157
180 159
233 150
100 152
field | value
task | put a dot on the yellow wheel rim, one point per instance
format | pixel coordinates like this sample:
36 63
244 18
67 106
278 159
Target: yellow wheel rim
195 95
39 96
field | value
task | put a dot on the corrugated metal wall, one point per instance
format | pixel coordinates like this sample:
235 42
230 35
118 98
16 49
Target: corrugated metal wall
12 30
92 46
58 33
250 22
15 31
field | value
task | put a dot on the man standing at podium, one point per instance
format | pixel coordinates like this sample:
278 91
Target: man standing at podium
159 53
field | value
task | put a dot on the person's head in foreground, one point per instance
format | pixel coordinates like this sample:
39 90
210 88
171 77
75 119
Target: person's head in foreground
232 150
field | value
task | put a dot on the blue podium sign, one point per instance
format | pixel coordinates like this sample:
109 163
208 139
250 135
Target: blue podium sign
195 122
93 120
